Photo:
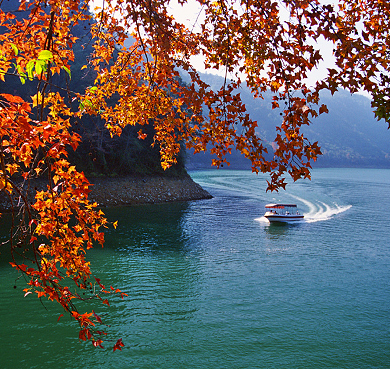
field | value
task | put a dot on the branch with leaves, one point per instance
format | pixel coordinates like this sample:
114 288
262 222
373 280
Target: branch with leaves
140 51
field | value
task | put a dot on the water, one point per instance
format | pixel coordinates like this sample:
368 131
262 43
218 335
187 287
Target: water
211 284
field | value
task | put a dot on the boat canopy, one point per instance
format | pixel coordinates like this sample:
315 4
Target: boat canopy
280 206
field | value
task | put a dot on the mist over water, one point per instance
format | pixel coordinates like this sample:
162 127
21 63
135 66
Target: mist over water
212 284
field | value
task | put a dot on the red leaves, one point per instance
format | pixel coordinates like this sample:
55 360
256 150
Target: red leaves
97 343
97 317
62 218
118 345
85 334
323 109
21 267
41 293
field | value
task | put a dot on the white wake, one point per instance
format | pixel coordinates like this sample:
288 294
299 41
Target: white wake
320 211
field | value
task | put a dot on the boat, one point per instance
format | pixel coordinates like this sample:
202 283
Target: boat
282 213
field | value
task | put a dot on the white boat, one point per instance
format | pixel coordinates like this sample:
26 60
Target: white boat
282 213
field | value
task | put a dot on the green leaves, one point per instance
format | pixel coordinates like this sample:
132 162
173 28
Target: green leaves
38 66
15 49
45 55
67 70
30 69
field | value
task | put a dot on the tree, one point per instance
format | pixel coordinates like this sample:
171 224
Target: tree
139 51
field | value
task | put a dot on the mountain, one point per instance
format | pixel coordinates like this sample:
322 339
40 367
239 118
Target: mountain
349 135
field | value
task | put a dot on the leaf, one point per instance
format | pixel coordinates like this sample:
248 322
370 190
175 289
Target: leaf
323 109
15 49
97 343
45 55
82 335
12 98
141 135
40 66
31 222
118 345
97 317
29 69
37 99
3 182
41 293
67 70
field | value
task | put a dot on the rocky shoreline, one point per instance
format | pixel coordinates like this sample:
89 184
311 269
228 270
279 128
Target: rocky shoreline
127 191
130 190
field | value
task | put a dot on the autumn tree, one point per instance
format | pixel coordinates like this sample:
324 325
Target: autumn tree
139 52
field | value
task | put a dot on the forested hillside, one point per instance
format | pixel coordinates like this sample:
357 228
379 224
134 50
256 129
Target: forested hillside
349 135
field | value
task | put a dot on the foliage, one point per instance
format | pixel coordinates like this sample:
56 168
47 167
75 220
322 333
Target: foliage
269 45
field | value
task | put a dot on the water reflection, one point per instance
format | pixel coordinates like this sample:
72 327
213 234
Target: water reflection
149 256
148 228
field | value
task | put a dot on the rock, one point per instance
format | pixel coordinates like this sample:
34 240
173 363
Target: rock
123 191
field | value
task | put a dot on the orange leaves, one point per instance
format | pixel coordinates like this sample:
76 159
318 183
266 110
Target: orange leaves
139 84
272 53
83 319
141 135
61 223
13 99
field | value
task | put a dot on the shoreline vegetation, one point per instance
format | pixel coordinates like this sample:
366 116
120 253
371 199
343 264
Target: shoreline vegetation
127 191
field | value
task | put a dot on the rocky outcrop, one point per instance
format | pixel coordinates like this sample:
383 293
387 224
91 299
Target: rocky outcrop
124 191
145 190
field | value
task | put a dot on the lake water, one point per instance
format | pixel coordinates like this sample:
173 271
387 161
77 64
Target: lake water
211 284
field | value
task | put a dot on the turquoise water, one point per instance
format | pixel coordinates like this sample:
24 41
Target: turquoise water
211 284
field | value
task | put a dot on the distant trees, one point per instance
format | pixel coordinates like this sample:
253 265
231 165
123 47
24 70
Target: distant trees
269 45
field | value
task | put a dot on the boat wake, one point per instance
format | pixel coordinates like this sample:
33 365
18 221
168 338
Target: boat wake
320 211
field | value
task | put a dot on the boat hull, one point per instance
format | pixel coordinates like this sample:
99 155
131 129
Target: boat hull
275 218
